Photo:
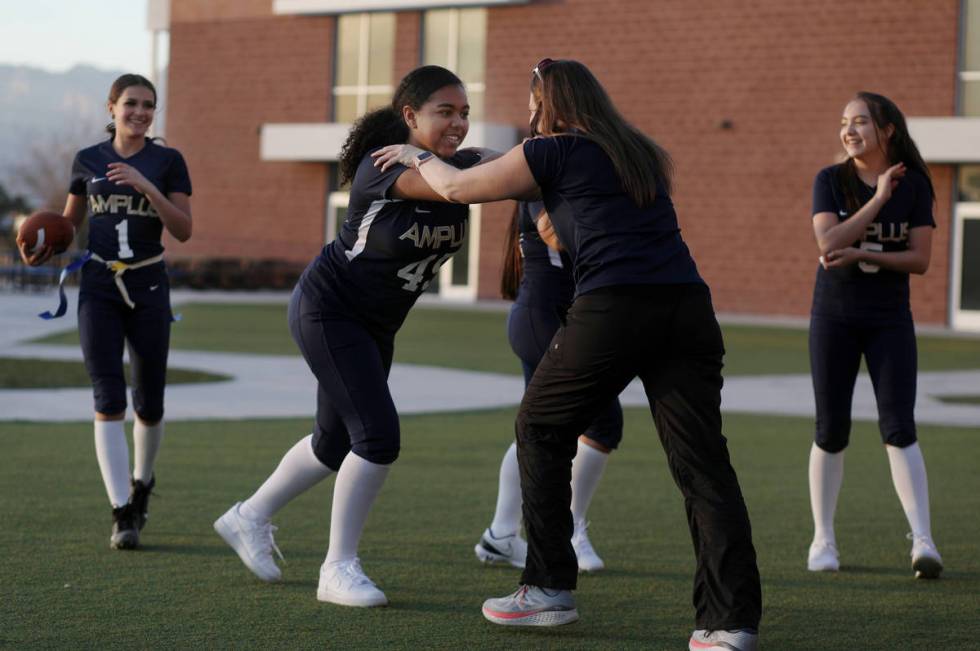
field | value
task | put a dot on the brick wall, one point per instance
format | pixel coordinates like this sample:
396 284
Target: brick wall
226 79
781 72
408 41
189 11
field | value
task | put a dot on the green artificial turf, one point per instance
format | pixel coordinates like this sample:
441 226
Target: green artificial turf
61 587
477 340
961 400
16 373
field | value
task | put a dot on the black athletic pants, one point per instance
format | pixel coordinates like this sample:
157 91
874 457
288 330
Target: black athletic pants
889 350
106 324
668 336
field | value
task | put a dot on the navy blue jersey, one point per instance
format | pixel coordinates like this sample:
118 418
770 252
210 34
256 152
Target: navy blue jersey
610 239
546 274
122 223
387 251
866 292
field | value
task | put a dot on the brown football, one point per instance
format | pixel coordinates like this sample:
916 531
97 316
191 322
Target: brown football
46 227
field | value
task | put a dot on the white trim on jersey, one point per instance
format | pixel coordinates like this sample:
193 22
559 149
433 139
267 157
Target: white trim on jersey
555 258
365 226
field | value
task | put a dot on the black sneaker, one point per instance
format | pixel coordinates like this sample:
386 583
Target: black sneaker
139 498
125 535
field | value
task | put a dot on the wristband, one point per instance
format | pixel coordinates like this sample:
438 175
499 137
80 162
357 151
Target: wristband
423 157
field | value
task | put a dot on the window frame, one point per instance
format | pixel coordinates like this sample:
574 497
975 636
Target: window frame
362 90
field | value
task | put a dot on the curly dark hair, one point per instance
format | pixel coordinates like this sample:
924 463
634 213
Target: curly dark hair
385 126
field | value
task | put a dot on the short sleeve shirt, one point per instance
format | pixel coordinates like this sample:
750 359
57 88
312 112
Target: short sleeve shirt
387 251
122 224
610 240
865 292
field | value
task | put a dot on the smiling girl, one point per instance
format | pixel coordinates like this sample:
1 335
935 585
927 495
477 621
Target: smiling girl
344 314
872 217
131 189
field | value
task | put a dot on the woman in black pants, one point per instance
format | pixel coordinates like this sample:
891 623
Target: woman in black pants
640 309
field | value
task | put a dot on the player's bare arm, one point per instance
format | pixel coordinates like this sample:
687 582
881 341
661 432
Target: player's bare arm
174 208
914 260
833 234
507 177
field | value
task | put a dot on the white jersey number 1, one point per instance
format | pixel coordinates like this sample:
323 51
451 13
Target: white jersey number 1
124 250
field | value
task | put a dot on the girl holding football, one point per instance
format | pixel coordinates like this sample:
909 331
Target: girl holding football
130 188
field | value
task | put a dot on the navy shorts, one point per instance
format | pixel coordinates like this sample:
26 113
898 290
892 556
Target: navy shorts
354 408
106 324
530 331
835 357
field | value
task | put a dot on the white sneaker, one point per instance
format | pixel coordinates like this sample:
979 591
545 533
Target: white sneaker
741 640
926 561
252 541
532 606
823 557
506 549
345 583
588 560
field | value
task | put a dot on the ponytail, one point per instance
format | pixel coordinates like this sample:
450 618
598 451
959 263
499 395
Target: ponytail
510 278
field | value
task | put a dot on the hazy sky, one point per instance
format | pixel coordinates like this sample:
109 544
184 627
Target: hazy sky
58 34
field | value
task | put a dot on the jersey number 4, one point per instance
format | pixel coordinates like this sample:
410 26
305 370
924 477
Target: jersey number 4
420 273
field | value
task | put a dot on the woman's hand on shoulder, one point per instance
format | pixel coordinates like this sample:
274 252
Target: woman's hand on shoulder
888 181
125 174
394 154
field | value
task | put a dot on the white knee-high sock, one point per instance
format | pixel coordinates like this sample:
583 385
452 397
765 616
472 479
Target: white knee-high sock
298 472
358 483
826 476
587 470
507 517
146 445
909 476
112 451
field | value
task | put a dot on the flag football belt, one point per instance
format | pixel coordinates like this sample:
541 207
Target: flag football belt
117 267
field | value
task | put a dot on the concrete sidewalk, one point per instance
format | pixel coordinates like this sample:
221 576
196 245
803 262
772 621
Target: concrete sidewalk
272 386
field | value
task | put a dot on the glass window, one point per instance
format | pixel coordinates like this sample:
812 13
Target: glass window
381 44
970 278
969 183
970 73
436 38
457 39
365 58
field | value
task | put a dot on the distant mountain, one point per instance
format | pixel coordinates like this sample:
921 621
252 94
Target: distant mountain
48 110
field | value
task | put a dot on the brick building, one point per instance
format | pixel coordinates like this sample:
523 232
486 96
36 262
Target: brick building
746 96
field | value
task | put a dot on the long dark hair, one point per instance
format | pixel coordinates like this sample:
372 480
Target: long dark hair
900 148
510 277
570 97
120 85
386 126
